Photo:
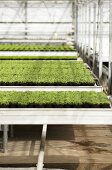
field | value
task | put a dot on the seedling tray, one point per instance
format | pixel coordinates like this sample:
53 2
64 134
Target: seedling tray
45 73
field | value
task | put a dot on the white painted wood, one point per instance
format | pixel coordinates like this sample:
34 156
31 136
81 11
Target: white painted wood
55 116
37 53
40 162
51 88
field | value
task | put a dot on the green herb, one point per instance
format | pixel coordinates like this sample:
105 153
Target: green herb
54 99
35 47
44 72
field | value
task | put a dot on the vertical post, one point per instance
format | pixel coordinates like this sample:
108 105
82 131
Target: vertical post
76 22
101 40
11 131
73 18
110 48
89 31
79 25
82 27
42 149
85 19
94 35
5 138
26 23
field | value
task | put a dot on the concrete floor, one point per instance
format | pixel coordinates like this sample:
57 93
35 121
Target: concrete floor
68 147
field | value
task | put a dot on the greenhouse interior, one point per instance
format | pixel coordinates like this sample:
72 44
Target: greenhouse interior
56 84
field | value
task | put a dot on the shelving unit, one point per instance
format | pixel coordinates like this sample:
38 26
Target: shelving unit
85 26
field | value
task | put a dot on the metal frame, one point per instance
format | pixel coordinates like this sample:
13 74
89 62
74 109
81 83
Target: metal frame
110 50
89 31
76 21
37 53
85 38
5 138
55 116
42 149
26 24
51 88
101 41
94 36
96 58
82 31
45 41
25 34
39 165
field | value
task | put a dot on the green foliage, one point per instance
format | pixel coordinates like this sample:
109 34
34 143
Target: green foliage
38 57
44 72
54 99
35 47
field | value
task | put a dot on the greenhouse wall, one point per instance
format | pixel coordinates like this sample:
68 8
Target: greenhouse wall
94 36
35 19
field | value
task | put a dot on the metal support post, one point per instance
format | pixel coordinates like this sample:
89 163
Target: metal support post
73 18
79 25
76 22
5 138
110 49
101 41
89 31
42 149
94 35
82 28
11 131
85 34
26 22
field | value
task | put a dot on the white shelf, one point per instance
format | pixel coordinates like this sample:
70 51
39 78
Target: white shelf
37 53
51 88
62 116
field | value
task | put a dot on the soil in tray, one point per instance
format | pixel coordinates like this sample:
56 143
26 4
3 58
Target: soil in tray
45 72
61 99
38 57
